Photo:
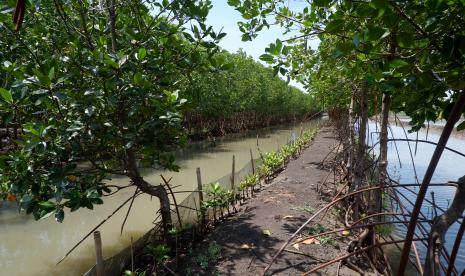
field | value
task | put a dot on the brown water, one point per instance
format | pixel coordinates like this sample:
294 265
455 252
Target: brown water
29 247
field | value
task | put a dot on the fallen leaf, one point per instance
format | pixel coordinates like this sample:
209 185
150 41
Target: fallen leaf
245 246
296 246
317 242
309 241
270 199
346 233
267 232
288 217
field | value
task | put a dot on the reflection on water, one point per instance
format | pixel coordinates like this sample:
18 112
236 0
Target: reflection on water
31 247
450 168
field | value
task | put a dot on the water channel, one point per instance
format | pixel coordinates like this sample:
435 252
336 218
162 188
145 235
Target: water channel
405 169
30 247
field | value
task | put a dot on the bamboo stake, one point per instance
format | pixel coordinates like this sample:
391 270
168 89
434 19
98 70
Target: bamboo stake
252 161
233 173
132 254
199 187
98 253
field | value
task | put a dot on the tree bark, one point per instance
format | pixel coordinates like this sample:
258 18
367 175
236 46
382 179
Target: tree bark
350 137
359 171
361 145
383 151
383 136
112 17
440 226
158 191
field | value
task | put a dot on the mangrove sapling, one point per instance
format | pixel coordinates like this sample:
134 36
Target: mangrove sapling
160 252
251 181
218 198
243 188
327 240
273 160
210 259
264 171
316 229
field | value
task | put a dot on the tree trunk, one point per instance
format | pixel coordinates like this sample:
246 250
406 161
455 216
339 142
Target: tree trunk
383 151
112 17
350 137
440 226
359 171
361 146
158 191
383 136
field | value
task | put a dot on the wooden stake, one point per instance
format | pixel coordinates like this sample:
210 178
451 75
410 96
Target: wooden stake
253 163
98 253
132 254
199 187
232 177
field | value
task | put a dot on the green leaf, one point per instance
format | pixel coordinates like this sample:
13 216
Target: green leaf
227 66
141 54
267 57
111 62
138 78
321 3
233 2
335 26
30 128
246 37
51 73
279 46
405 39
286 50
43 79
47 205
375 33
380 6
398 63
6 95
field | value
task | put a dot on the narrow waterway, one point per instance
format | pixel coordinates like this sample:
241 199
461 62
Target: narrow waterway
408 164
30 247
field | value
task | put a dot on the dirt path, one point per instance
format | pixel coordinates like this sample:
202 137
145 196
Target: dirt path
281 208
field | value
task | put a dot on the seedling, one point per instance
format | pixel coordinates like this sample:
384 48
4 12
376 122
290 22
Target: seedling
211 258
160 252
316 229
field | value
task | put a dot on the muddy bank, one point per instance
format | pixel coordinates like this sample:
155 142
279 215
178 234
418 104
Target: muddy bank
199 127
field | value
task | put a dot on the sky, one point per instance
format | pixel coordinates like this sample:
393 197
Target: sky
224 16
